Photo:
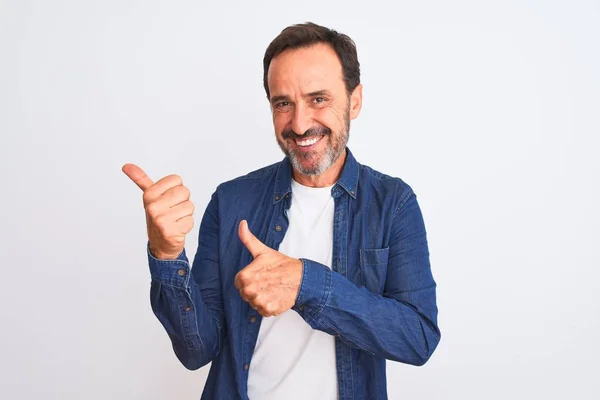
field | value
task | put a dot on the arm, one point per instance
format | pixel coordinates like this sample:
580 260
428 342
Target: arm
188 303
401 324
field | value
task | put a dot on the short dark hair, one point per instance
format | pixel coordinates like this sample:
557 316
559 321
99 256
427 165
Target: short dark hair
308 34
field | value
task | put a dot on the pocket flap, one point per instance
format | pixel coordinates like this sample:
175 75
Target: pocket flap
374 256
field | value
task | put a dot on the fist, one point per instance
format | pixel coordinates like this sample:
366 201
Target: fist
270 284
169 212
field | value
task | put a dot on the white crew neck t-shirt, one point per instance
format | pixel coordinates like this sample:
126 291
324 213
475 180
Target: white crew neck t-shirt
291 360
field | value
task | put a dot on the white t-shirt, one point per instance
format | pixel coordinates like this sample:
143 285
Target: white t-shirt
291 360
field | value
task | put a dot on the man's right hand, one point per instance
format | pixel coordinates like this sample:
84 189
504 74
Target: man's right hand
169 212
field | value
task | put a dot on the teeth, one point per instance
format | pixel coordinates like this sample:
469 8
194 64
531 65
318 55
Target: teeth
308 142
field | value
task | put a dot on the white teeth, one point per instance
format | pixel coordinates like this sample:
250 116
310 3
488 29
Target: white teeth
308 142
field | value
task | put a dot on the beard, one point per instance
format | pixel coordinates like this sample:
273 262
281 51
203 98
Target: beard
315 162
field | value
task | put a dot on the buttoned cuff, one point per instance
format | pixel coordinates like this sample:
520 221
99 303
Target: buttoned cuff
169 272
314 288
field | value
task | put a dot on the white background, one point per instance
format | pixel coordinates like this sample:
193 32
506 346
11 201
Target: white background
489 110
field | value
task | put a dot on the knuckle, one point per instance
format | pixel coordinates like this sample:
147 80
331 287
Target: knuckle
239 282
244 277
161 223
244 293
262 300
250 291
180 192
267 311
152 210
146 197
175 180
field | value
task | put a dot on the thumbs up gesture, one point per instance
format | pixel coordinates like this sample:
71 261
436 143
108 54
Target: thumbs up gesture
169 212
271 282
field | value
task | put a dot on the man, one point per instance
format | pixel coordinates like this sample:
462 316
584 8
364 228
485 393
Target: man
309 273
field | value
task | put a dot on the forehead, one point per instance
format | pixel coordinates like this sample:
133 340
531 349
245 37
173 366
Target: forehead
306 69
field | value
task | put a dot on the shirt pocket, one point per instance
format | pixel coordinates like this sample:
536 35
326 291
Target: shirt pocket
373 268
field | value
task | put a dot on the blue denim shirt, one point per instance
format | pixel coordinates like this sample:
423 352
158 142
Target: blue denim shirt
378 299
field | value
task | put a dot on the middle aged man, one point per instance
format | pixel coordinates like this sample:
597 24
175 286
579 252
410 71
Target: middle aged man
337 278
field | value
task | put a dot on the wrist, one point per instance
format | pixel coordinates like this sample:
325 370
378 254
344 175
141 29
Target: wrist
160 255
299 269
315 285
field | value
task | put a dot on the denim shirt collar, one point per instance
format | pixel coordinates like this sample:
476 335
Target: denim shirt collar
348 179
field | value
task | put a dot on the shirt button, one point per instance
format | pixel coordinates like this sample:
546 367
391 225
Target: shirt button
352 192
277 198
181 272
252 319
278 228
188 308
301 308
246 366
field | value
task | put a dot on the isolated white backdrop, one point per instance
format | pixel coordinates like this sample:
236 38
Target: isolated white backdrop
489 110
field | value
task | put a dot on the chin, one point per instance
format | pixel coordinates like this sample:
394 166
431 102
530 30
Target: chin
310 168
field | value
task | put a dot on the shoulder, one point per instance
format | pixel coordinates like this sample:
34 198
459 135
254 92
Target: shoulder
261 173
392 187
257 179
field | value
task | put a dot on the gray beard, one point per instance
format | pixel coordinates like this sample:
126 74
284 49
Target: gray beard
332 153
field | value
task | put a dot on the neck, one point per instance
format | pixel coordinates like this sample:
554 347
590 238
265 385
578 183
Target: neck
327 178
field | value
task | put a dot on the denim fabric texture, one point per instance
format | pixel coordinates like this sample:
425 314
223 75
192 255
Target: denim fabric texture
378 299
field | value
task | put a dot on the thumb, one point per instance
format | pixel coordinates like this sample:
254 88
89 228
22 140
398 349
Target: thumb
138 176
255 246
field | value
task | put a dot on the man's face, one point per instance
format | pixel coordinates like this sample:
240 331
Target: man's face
311 108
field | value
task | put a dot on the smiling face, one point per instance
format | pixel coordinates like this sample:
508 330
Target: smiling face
311 107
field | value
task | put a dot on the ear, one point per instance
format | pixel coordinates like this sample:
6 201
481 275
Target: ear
356 101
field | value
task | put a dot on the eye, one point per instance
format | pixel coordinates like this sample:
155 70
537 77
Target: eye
319 100
282 104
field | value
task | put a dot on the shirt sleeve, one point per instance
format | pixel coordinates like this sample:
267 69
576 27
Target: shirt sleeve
401 323
187 300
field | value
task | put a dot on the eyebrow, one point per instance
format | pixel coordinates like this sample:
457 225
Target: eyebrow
324 92
277 99
319 93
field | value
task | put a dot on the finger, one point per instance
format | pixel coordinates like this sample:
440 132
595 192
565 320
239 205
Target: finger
243 295
173 207
172 185
255 246
254 303
168 182
243 278
237 282
272 309
172 198
182 210
138 176
264 312
184 225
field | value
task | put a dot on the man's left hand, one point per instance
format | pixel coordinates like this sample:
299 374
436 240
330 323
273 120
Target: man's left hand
271 282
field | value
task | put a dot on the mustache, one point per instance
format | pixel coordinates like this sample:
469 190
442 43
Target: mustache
316 131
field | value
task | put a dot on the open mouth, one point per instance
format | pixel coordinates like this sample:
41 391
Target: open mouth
308 143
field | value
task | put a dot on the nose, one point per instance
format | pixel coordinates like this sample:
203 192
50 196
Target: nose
302 119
